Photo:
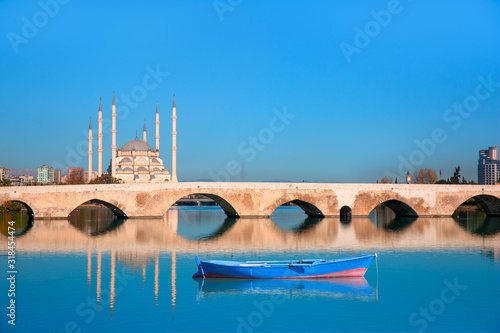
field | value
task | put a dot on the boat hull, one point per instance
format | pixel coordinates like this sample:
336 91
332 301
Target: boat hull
349 267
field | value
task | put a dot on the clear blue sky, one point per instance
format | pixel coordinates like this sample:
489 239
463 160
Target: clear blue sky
360 100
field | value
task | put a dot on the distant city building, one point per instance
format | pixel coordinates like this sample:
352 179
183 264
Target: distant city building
48 175
488 169
45 174
57 176
86 176
4 173
22 180
136 161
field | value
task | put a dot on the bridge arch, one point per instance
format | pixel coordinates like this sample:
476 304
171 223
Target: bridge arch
30 210
490 203
228 209
22 223
310 209
113 206
345 211
399 207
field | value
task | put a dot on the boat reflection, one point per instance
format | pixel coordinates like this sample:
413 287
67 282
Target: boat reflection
341 288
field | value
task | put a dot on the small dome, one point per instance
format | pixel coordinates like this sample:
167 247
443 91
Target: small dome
136 144
127 169
142 169
126 160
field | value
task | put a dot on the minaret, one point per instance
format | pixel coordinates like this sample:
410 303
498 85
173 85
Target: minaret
144 132
157 122
174 144
113 137
99 147
90 151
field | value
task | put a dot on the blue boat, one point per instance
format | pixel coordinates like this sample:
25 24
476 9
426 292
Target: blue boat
292 269
338 288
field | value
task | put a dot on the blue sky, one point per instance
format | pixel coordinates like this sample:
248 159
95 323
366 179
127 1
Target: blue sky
360 104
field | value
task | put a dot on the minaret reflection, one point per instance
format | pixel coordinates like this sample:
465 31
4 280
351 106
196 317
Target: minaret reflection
89 269
98 281
143 274
173 278
171 219
112 293
157 274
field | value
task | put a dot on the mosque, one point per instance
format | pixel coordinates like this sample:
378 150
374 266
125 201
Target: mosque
136 161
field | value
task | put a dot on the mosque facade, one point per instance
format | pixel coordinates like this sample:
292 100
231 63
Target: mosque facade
136 161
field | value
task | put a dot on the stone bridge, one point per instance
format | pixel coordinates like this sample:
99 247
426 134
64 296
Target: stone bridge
256 199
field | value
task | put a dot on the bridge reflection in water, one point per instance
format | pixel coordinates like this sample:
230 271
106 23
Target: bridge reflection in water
137 244
183 231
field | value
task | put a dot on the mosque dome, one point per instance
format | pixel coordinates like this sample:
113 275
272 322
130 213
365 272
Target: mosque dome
137 145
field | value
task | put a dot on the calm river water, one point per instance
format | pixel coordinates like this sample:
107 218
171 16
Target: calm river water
99 274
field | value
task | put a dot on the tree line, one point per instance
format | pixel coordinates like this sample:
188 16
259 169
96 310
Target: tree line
429 176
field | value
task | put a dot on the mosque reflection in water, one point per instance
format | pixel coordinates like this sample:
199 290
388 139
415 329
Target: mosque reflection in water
137 244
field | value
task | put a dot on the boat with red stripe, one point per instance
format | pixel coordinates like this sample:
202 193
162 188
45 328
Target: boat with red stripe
285 269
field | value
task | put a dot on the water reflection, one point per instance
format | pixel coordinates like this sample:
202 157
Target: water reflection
23 222
229 222
291 218
345 220
223 235
122 268
384 217
347 288
294 219
195 223
136 248
477 222
94 220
